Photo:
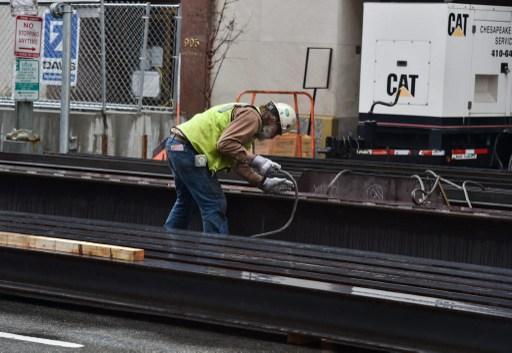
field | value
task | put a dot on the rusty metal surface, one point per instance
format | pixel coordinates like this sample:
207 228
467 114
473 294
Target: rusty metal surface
353 186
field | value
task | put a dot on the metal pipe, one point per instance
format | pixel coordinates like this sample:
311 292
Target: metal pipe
143 57
144 145
104 135
103 60
67 13
178 89
177 67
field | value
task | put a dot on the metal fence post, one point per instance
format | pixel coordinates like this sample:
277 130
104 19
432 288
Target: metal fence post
66 12
143 56
66 76
177 66
104 136
103 59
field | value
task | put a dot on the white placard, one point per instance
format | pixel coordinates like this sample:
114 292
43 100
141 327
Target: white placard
26 80
27 42
23 7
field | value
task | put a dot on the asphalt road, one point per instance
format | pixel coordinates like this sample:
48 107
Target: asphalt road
24 323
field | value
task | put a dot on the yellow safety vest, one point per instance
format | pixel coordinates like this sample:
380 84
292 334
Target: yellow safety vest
203 131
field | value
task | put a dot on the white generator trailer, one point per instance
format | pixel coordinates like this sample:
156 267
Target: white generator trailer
436 81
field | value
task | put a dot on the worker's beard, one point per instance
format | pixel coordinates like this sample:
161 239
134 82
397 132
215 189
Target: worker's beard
265 133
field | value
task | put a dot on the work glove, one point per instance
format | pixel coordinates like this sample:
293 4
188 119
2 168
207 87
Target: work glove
265 166
276 185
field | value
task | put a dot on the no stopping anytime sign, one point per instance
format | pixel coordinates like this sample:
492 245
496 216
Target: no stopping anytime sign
28 36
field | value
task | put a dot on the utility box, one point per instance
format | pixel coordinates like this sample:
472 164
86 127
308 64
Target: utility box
453 61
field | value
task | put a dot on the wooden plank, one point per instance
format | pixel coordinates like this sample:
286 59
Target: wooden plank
76 247
94 249
69 246
18 240
42 243
3 239
128 254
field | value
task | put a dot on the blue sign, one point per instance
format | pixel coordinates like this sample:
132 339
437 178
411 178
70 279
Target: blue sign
53 37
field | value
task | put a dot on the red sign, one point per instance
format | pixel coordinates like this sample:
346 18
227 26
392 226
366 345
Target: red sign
27 43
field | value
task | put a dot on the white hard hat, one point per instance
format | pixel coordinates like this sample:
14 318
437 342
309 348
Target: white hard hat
287 117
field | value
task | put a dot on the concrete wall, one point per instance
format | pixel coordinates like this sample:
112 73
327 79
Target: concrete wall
125 133
271 52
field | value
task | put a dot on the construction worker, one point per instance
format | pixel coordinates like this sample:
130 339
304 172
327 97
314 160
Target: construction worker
220 138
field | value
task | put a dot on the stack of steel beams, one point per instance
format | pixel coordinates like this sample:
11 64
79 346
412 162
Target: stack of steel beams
371 299
457 234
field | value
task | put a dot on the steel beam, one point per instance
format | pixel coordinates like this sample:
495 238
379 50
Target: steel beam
479 237
348 296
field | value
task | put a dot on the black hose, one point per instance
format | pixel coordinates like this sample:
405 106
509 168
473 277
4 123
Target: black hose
386 103
292 215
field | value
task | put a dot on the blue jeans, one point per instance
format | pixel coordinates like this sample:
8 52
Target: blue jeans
195 187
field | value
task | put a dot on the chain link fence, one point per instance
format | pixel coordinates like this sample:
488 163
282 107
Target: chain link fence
7 24
128 69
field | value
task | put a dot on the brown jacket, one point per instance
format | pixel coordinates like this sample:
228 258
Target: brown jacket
246 123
